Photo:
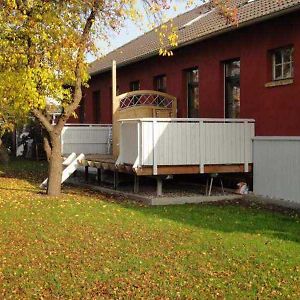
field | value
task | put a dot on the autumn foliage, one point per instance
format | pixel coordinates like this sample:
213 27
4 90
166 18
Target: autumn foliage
43 50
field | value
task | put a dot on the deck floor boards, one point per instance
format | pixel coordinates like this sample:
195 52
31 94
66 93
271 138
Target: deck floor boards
108 162
103 158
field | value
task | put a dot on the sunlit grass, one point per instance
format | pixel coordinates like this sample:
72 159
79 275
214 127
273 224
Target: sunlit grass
83 245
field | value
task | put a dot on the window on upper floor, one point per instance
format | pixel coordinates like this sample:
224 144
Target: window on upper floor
283 63
160 83
134 85
232 89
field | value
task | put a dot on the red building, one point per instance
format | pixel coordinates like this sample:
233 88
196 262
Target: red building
218 70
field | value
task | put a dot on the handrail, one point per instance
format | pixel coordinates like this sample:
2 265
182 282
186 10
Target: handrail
196 120
87 125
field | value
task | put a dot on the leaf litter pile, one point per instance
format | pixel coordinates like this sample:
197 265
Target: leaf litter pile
84 245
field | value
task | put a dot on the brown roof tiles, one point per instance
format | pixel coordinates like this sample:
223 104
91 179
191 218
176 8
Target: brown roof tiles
209 24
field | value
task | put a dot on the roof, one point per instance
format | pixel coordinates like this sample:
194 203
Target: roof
195 25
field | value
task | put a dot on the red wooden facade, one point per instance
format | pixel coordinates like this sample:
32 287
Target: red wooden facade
276 109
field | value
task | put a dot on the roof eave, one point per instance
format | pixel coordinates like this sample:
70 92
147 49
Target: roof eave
213 34
244 24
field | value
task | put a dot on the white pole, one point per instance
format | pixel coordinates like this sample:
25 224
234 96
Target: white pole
114 79
115 108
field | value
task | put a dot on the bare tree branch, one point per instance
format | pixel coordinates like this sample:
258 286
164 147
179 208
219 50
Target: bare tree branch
80 58
43 119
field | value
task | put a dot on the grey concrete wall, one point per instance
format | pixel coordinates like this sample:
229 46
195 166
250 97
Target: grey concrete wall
277 167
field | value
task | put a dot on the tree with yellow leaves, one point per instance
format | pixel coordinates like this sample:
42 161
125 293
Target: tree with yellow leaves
43 48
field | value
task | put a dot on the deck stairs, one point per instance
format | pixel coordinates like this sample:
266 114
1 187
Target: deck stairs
70 165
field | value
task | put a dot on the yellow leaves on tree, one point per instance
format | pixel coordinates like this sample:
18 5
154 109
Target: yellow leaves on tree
43 50
43 47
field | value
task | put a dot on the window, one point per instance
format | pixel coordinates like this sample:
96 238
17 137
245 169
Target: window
232 89
96 106
134 85
160 83
192 79
282 63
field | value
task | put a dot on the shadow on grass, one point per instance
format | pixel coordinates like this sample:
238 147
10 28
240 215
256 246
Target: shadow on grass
32 190
226 216
31 171
229 217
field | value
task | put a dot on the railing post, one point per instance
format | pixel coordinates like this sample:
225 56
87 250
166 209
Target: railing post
120 158
154 126
139 143
201 146
246 150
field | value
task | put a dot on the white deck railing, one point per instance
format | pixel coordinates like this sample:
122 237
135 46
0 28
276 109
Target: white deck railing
180 142
86 138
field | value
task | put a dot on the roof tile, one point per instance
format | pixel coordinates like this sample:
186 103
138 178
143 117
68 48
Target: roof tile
210 24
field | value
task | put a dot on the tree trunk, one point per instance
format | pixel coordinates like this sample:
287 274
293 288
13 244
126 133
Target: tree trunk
55 166
47 146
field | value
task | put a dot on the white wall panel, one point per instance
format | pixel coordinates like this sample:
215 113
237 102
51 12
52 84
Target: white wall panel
277 167
85 139
129 141
190 141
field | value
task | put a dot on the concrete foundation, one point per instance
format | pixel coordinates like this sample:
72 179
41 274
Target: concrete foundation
150 200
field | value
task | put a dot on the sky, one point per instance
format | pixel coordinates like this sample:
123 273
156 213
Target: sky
132 31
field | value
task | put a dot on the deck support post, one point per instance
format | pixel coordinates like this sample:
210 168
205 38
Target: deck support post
136 186
99 175
86 174
159 185
116 179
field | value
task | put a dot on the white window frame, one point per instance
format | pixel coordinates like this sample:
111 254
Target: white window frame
282 64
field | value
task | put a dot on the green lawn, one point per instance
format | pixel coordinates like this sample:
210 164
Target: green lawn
86 246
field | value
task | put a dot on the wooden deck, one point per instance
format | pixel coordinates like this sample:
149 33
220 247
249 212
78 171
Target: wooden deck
104 162
208 169
99 161
160 147
101 158
107 162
